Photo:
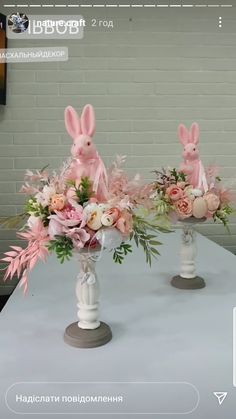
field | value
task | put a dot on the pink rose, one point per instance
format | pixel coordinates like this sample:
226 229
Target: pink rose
58 202
213 201
174 192
184 207
125 223
114 213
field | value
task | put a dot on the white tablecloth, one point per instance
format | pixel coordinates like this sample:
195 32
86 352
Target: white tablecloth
159 333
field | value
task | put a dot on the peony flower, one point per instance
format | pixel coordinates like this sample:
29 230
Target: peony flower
70 217
213 201
125 223
184 207
174 192
58 202
79 236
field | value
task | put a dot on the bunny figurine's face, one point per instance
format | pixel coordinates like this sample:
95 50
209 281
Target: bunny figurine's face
189 139
190 152
83 147
81 130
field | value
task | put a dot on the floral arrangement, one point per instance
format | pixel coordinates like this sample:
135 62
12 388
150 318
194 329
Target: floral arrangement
192 190
64 215
176 199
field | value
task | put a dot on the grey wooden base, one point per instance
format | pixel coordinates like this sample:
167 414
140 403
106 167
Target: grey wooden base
188 284
87 338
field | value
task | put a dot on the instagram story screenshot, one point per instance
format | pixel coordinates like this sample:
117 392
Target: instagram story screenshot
118 209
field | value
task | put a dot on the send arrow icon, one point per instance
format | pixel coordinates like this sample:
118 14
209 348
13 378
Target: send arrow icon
220 395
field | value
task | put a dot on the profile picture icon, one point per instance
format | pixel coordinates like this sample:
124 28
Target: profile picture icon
18 22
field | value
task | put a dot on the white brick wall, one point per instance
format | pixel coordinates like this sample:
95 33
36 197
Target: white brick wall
155 69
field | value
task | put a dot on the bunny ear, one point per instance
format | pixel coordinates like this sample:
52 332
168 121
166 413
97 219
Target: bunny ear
194 130
72 122
88 121
183 134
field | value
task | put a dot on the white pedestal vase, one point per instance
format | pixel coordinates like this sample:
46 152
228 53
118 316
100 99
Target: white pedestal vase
188 279
89 331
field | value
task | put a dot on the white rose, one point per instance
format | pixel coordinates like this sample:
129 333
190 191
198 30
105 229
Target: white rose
94 215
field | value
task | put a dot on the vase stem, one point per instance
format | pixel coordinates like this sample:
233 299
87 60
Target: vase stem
188 252
87 292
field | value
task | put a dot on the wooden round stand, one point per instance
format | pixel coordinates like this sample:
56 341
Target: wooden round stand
87 338
188 283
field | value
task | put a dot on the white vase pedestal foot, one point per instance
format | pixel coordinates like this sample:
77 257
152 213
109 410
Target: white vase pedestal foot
89 331
85 338
195 283
188 279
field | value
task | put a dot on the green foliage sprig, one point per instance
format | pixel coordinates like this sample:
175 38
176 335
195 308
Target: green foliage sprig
32 207
178 176
143 238
222 215
62 246
84 191
121 251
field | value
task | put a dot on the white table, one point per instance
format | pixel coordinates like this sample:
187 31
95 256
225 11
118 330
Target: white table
160 334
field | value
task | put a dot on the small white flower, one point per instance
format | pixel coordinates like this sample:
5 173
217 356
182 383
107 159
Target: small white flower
45 196
32 220
197 192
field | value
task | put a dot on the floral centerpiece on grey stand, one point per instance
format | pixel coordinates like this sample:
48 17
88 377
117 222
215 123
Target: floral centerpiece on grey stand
82 211
191 195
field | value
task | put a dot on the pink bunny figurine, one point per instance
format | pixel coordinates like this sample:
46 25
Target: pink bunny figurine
86 160
192 165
